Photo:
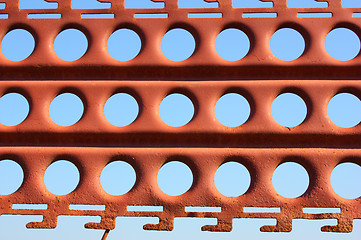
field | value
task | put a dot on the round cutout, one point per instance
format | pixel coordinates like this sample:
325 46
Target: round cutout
118 178
66 109
289 110
345 179
232 44
290 180
11 177
124 44
175 178
342 44
232 110
287 44
17 45
70 44
176 110
14 109
178 44
61 177
232 179
344 110
121 109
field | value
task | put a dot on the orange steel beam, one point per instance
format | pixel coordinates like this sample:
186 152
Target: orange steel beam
204 162
204 130
203 144
204 64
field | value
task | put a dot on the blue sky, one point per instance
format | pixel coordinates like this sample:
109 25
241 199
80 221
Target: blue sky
232 110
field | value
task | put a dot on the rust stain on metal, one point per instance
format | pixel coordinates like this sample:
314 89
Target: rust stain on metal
203 144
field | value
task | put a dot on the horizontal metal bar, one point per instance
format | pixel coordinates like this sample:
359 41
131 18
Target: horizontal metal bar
261 163
204 130
204 64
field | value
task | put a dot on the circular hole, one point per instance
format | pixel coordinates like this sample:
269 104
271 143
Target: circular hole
232 110
14 108
124 44
289 110
345 179
342 44
344 110
11 177
117 178
70 44
175 178
178 44
232 44
290 180
232 179
121 109
61 177
287 44
17 45
176 110
66 109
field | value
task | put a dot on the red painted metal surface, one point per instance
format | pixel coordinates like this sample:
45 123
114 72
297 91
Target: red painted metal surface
203 144
204 64
148 130
261 164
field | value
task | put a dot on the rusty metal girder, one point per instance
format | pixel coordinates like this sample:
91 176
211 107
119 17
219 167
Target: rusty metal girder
261 164
203 144
204 64
204 130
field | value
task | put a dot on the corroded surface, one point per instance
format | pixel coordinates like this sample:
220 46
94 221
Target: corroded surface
203 144
204 130
261 164
204 64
